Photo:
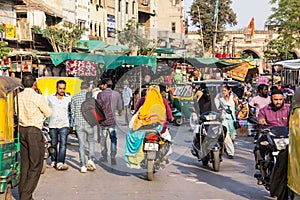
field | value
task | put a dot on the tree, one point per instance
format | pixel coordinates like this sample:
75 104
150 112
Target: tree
4 48
206 9
63 39
277 49
133 37
286 17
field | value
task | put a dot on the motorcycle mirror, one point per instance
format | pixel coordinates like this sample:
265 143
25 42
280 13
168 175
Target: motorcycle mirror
252 120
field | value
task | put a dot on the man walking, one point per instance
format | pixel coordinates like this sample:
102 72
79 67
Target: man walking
32 110
127 98
59 102
83 129
110 101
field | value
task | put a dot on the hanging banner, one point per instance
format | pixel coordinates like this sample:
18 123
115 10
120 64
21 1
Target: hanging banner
10 31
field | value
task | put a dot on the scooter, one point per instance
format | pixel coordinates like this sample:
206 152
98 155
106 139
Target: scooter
269 144
178 117
155 149
208 140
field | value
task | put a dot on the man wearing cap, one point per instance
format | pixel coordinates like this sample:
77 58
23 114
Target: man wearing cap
272 115
276 113
127 97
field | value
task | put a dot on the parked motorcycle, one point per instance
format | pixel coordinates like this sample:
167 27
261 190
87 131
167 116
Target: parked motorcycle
155 150
209 139
269 144
49 150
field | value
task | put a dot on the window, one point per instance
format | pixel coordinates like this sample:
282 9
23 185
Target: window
173 27
91 28
145 2
99 30
126 8
91 1
81 24
95 29
119 6
133 7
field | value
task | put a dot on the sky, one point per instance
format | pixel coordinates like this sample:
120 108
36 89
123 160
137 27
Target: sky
245 10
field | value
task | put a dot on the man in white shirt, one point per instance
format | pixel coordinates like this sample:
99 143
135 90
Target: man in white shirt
59 102
127 97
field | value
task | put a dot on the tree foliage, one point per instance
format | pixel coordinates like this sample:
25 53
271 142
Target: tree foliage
286 16
4 48
133 37
278 49
226 16
63 38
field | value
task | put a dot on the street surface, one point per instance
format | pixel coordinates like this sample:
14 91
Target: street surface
183 178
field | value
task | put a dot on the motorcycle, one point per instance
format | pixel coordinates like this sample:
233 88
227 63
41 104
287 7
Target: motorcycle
155 148
269 144
151 155
49 150
209 138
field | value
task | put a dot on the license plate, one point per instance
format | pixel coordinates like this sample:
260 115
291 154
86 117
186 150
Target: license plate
151 147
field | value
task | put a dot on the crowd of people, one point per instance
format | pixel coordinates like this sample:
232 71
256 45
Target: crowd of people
63 111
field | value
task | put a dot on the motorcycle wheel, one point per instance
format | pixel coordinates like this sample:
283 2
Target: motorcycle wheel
7 195
193 120
178 121
150 169
44 166
216 160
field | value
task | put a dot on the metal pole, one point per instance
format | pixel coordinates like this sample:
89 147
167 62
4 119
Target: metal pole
215 37
201 33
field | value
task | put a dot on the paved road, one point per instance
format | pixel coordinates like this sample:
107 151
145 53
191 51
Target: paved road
183 178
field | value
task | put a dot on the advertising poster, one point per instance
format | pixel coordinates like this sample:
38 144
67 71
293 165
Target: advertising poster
111 26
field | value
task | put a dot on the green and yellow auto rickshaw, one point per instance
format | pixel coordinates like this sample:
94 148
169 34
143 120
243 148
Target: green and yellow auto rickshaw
9 137
294 148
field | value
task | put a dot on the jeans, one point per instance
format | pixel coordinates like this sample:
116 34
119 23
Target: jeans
127 114
62 133
82 131
104 132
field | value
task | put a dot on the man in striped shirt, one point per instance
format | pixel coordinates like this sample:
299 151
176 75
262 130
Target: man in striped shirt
83 129
33 109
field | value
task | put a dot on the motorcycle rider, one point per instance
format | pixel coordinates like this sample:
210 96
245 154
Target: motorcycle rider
273 115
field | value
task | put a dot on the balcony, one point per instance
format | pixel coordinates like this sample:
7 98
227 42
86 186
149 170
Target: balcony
144 6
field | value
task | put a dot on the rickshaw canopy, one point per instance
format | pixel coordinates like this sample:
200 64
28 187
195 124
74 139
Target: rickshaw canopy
294 147
8 84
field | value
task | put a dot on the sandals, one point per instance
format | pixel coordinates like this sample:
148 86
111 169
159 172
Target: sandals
61 166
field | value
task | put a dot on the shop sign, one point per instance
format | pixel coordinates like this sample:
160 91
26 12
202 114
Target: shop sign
111 26
10 31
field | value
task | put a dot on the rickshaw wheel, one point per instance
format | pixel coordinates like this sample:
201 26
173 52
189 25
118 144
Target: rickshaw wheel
7 193
178 121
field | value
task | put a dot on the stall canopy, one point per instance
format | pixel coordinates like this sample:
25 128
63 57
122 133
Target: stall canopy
202 62
164 50
292 64
110 61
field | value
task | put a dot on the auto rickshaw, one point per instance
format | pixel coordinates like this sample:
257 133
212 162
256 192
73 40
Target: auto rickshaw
9 137
294 148
47 85
182 100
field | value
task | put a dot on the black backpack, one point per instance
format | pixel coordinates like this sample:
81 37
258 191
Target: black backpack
92 112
